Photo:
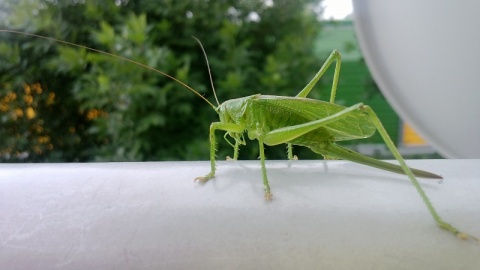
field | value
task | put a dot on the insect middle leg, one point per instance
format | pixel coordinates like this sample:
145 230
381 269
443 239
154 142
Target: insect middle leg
268 195
286 134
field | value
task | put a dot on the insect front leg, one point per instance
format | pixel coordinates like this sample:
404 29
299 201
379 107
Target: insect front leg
235 147
290 154
235 150
239 140
334 56
229 127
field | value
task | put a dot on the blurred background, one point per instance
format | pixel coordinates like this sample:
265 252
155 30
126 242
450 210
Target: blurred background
65 104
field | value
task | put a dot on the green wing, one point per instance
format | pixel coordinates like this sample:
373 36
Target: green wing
357 125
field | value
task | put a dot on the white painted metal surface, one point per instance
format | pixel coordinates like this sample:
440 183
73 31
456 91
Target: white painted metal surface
325 215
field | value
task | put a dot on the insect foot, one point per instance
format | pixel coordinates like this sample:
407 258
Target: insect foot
465 236
459 234
268 196
203 179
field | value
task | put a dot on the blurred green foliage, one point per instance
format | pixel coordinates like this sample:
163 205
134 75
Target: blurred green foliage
93 107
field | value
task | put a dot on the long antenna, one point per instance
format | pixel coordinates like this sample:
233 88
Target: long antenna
119 57
208 67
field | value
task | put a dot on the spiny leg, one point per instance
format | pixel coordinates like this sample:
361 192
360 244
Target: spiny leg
290 154
239 140
334 56
235 150
212 156
214 126
286 134
235 147
268 195
442 224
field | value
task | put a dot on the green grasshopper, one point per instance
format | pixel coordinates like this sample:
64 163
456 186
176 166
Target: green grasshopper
274 120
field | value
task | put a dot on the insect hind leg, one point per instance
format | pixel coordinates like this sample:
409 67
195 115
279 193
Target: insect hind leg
388 141
334 56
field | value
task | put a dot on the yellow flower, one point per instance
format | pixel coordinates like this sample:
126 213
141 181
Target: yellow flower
38 129
50 99
18 112
43 139
37 87
4 107
27 89
30 113
12 96
28 99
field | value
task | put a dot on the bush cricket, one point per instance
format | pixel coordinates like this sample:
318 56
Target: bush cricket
298 120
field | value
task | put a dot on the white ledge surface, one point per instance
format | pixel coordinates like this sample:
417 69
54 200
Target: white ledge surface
324 215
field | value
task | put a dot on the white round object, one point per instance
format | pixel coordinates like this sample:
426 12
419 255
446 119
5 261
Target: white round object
425 57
